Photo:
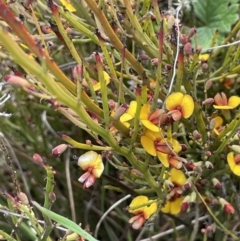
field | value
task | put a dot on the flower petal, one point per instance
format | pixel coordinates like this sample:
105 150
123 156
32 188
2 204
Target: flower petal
148 145
176 145
154 136
87 159
175 206
234 101
132 108
177 176
176 115
98 167
126 117
137 201
166 208
187 106
223 107
138 223
148 211
163 158
149 125
145 112
174 100
231 161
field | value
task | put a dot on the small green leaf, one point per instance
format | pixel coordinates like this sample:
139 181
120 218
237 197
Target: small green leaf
64 222
214 15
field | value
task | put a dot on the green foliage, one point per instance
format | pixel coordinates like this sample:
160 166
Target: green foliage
214 15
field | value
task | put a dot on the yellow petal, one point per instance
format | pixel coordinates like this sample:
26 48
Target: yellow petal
98 167
174 100
98 85
175 206
132 108
203 56
137 201
145 112
187 106
166 208
177 176
223 107
176 145
67 4
231 161
148 145
149 125
234 101
125 117
236 170
148 211
154 135
218 121
87 159
163 158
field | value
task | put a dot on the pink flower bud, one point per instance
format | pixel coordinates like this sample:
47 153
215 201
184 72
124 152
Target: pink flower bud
199 49
23 198
88 142
208 84
58 150
183 39
208 101
216 183
18 81
188 49
227 207
184 147
192 31
204 67
77 72
112 104
38 159
188 184
154 62
52 197
120 111
196 135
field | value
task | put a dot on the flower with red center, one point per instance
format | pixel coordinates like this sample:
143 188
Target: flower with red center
91 162
148 119
143 212
174 197
156 145
152 120
223 103
216 125
234 163
179 105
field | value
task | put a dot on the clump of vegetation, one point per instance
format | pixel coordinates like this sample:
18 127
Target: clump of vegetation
122 120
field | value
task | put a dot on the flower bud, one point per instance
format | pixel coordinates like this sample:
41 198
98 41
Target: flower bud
208 84
227 207
199 49
216 183
120 111
154 62
235 148
192 31
209 165
188 184
204 67
58 150
188 49
89 142
23 198
112 104
208 101
52 197
183 39
185 204
168 67
184 147
196 135
197 169
77 72
17 81
136 172
38 159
